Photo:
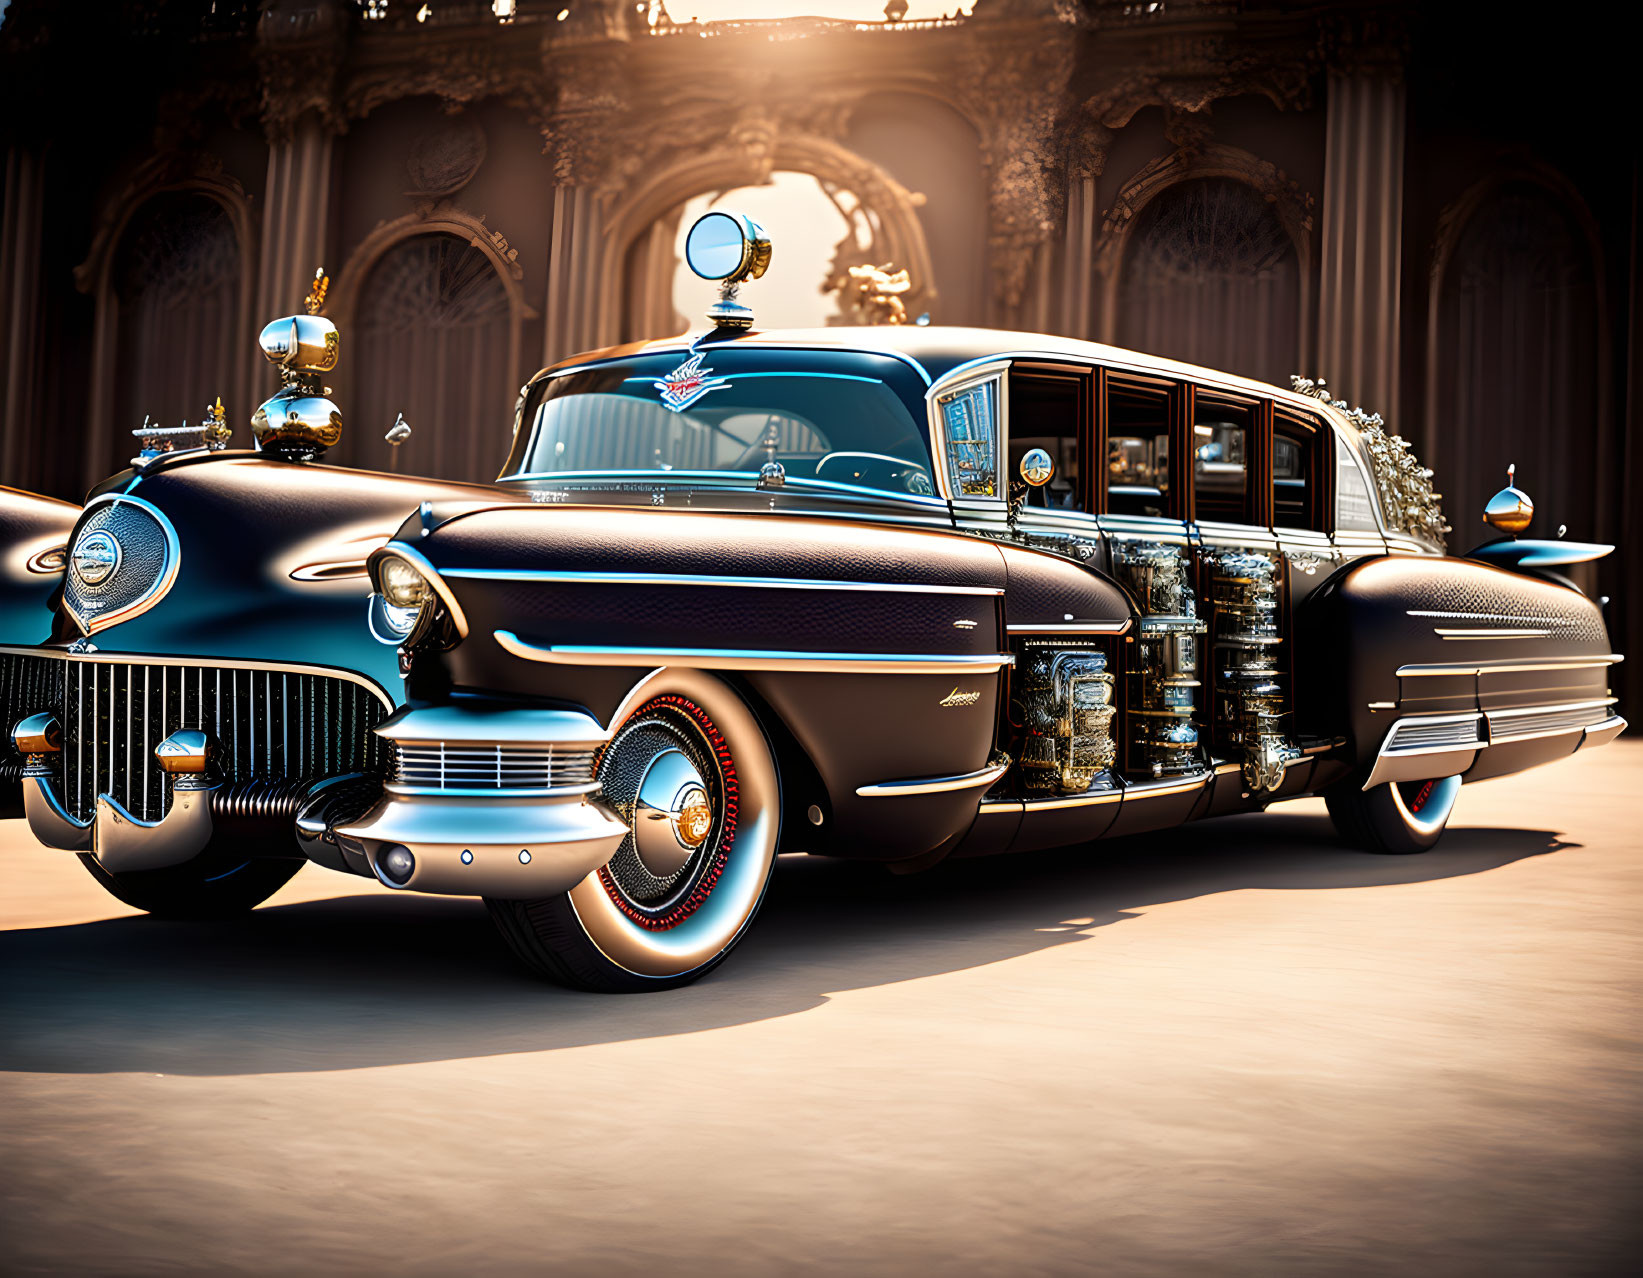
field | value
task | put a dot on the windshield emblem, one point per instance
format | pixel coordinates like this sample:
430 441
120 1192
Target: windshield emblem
688 383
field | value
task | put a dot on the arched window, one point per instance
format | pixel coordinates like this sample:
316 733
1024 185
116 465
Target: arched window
177 286
1516 371
1210 276
430 339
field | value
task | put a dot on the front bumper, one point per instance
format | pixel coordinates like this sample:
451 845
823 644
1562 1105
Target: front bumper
511 848
487 800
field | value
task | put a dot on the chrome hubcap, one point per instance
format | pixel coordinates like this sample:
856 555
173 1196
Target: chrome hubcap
672 814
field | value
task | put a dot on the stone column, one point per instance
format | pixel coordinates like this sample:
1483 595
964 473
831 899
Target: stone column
577 317
296 219
1358 294
21 206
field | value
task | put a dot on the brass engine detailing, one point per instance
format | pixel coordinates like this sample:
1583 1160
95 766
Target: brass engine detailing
299 423
1163 737
1066 703
1407 497
1248 683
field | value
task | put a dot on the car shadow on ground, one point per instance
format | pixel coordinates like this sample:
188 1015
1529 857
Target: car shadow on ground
378 980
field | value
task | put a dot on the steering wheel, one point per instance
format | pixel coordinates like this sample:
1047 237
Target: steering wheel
875 470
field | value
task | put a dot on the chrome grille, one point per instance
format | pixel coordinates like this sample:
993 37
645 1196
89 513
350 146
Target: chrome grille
1504 725
268 724
1413 734
28 685
444 765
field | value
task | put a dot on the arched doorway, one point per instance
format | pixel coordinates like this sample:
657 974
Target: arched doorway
176 286
430 337
1210 275
1516 372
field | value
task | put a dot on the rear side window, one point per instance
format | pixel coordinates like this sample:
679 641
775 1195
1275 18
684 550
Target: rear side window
1296 474
1223 439
1354 506
1140 474
1048 410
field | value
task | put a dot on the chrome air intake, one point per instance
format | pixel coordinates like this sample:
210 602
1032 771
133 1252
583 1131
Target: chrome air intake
467 767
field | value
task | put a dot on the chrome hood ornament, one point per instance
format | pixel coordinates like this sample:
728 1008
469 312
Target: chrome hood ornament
299 423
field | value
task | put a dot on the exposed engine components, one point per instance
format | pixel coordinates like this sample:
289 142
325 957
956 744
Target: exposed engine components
1067 707
1248 682
1163 737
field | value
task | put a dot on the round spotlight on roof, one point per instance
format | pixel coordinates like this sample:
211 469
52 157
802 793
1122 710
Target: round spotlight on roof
731 248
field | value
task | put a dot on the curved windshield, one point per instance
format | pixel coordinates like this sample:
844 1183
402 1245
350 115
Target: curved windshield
836 418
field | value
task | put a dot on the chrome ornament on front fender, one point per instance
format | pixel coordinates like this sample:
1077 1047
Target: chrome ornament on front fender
121 563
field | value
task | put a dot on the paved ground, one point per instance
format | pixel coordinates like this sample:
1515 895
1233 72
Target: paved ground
1237 1049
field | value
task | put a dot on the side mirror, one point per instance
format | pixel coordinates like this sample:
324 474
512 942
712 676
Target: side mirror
1037 467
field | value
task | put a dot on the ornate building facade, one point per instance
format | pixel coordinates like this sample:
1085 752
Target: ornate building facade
1424 207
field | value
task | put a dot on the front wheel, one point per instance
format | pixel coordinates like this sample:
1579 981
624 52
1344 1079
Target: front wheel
691 774
1399 817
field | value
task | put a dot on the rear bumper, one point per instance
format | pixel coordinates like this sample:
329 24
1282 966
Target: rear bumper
1481 744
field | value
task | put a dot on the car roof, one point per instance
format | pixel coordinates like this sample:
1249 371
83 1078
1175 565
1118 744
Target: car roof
938 350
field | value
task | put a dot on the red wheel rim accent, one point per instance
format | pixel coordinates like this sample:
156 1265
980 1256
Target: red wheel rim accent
727 835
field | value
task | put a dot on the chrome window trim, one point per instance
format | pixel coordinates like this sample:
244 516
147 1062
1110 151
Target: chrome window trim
156 592
705 579
194 659
977 780
752 659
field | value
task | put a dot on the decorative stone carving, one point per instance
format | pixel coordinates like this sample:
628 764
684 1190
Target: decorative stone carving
445 158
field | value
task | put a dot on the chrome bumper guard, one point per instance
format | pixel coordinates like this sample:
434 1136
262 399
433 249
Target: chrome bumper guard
478 835
120 841
1430 746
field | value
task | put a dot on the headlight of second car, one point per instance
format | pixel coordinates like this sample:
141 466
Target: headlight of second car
402 596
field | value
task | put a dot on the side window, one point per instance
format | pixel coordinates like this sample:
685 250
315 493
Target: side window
1139 475
969 436
1048 411
1223 446
1354 506
1297 479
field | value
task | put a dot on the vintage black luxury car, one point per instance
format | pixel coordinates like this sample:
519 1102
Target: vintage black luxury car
899 593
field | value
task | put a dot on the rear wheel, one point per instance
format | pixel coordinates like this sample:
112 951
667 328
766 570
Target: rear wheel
692 775
215 884
1399 817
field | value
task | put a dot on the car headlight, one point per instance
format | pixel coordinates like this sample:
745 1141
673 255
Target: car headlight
403 586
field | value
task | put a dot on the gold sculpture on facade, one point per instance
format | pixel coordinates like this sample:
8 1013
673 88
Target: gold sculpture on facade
872 294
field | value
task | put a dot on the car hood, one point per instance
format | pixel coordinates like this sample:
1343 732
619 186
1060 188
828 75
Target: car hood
270 561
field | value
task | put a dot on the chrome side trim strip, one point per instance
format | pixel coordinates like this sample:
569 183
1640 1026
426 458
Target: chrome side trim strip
1508 667
1071 627
1157 789
1073 801
934 785
1489 634
753 659
704 579
214 663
